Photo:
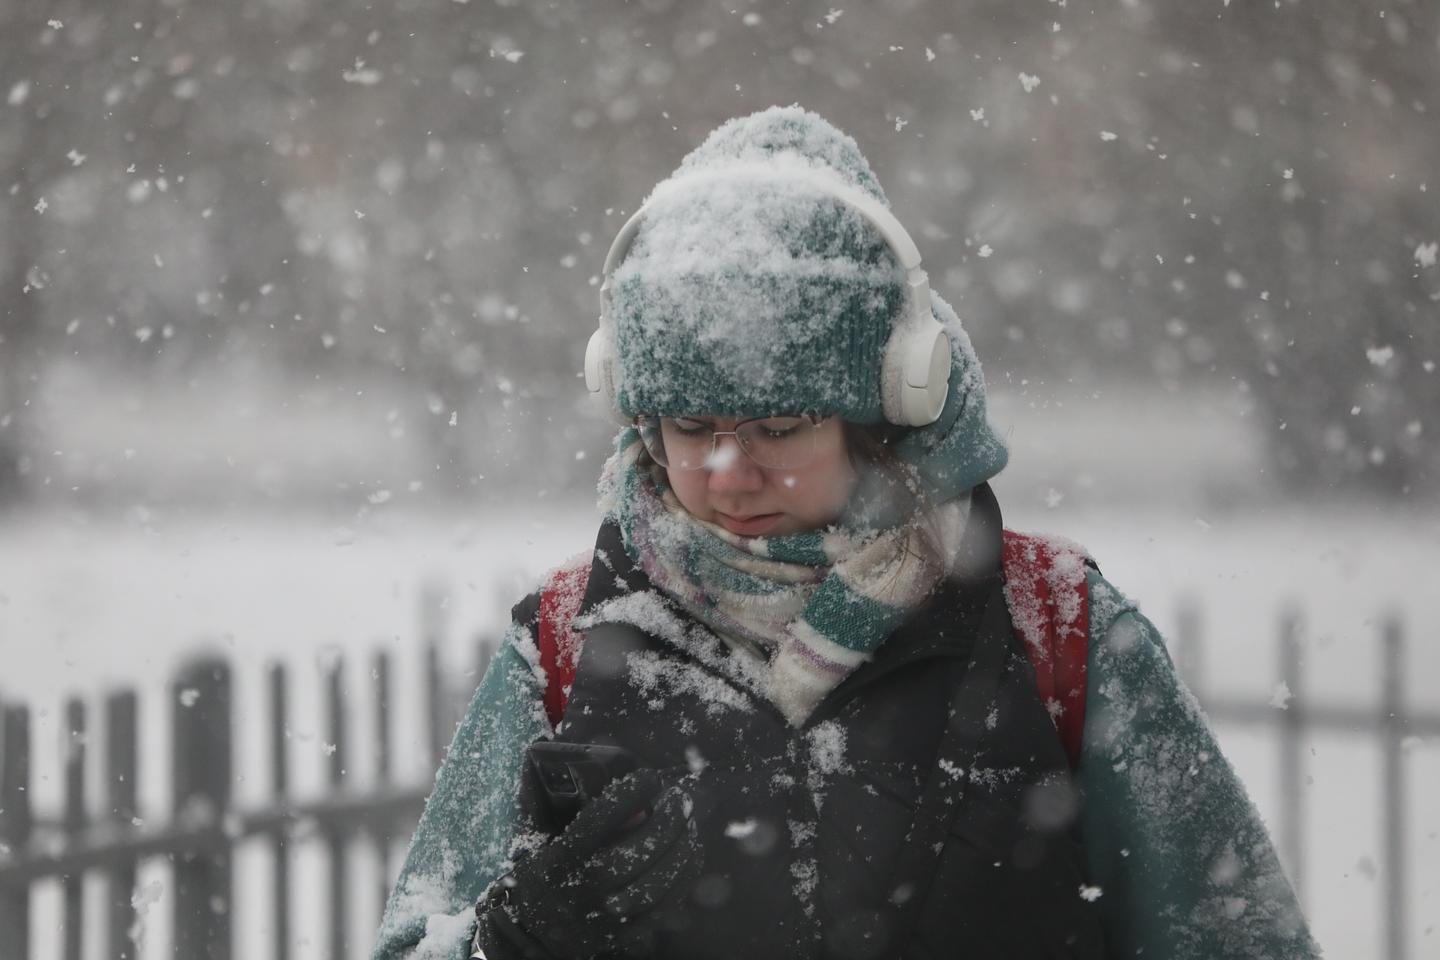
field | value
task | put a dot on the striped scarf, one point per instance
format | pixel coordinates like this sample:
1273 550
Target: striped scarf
817 605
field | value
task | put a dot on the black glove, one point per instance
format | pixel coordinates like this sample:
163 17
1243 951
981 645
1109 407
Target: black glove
617 878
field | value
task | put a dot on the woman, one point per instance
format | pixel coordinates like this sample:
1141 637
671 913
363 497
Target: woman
797 629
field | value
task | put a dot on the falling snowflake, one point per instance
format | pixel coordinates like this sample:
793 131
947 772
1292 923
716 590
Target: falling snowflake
1107 136
740 829
1280 696
1029 81
142 898
1380 356
1089 893
1425 253
366 77
985 250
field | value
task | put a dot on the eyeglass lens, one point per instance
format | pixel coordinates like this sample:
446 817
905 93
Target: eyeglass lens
682 443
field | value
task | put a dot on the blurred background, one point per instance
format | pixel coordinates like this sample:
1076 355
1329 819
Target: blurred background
294 298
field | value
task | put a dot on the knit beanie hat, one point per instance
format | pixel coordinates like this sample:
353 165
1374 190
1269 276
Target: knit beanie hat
750 290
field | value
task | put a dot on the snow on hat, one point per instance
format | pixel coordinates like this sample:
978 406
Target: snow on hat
751 290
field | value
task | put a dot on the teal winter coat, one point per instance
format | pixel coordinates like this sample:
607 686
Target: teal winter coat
1180 861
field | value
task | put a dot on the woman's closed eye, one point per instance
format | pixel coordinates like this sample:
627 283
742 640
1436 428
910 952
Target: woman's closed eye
688 426
778 429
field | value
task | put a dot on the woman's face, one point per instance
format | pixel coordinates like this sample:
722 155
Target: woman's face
735 492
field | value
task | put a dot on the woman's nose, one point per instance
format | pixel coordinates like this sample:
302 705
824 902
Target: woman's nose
730 468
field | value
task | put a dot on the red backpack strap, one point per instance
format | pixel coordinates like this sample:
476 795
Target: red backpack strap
559 645
1049 598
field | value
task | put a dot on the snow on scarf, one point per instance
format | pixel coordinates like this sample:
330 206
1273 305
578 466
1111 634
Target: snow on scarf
817 604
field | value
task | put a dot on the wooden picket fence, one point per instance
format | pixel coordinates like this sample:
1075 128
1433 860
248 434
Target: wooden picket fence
205 826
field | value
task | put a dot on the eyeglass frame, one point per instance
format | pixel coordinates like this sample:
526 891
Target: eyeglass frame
815 420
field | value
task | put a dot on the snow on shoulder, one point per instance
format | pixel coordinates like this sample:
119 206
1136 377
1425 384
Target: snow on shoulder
1061 563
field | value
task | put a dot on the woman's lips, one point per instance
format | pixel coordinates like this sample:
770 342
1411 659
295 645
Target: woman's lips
754 526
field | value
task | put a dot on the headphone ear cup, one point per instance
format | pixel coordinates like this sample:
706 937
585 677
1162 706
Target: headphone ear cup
915 375
600 367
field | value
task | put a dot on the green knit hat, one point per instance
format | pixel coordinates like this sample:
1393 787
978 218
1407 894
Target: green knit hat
750 290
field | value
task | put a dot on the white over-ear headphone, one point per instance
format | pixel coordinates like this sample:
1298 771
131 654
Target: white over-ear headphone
915 370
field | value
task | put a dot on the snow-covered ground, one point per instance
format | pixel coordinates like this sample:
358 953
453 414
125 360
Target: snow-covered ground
86 604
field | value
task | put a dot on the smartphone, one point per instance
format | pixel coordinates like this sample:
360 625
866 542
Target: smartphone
570 775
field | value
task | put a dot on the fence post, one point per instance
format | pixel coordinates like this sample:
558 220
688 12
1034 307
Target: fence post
1190 658
1393 722
485 649
200 701
16 821
381 675
73 885
335 709
121 787
1291 743
279 788
434 705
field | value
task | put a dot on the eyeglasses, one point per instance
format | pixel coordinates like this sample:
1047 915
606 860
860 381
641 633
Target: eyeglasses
690 443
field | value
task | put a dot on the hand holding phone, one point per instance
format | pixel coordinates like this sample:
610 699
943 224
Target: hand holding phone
570 775
607 885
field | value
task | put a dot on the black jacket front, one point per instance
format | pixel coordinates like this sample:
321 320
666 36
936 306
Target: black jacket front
803 827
